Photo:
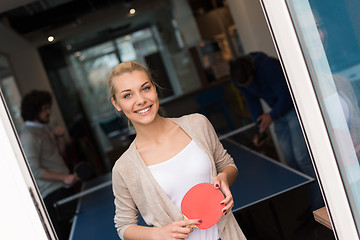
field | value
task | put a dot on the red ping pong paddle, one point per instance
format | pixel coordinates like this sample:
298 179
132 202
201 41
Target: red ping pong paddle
202 202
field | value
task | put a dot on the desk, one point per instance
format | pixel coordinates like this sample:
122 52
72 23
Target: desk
259 179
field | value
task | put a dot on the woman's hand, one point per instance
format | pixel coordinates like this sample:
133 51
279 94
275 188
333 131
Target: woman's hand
177 230
221 182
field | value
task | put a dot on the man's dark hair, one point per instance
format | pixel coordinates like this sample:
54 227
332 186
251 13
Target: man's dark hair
32 102
241 69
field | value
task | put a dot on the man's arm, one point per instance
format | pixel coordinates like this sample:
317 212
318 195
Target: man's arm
59 133
69 179
277 81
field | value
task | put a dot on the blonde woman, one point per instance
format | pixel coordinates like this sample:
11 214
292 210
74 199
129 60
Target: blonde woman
167 158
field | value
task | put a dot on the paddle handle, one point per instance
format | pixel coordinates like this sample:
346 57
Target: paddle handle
191 225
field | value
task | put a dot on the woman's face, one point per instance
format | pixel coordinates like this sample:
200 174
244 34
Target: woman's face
136 96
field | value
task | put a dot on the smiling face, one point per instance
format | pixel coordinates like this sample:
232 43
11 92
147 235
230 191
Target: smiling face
136 96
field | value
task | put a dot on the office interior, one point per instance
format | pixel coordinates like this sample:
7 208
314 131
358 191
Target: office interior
68 47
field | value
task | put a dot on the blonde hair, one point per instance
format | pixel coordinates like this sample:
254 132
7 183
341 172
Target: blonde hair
126 67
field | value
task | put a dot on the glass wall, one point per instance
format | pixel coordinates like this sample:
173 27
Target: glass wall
330 41
10 91
92 66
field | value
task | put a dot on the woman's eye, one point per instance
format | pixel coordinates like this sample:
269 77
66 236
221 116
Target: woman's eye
146 88
127 95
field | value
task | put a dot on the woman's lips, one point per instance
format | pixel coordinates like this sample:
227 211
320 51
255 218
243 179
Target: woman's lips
144 110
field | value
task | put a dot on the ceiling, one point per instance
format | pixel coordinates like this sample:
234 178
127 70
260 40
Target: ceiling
49 14
6 5
34 20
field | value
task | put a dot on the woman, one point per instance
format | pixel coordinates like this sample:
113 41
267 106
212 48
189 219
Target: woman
167 158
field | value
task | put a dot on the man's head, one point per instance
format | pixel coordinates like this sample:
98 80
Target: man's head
35 106
242 71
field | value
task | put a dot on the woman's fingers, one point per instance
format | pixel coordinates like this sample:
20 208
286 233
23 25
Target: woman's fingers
228 202
217 184
228 206
177 230
188 223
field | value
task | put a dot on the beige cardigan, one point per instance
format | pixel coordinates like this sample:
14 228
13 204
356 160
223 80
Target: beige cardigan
135 188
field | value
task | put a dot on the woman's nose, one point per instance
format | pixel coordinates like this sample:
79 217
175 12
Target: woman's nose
140 99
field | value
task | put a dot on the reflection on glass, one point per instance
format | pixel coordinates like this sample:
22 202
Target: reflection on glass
10 91
135 46
91 67
330 42
91 82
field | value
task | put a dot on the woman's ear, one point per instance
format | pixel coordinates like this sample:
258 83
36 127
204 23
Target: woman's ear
114 103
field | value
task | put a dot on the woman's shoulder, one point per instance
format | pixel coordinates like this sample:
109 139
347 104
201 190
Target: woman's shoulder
191 119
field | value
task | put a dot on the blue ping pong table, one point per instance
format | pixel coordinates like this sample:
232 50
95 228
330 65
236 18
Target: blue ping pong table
259 178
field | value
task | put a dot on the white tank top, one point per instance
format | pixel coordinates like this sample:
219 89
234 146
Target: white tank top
181 172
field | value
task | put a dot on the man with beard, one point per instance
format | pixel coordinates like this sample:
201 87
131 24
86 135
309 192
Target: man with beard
44 151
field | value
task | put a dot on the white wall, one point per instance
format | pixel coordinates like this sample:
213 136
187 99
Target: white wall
251 26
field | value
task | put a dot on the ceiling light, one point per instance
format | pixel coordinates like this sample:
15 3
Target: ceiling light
51 38
132 11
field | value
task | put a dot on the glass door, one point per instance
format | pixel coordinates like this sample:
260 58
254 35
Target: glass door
20 195
318 43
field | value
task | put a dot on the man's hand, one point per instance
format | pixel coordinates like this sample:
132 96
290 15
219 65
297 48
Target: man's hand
70 179
265 121
59 131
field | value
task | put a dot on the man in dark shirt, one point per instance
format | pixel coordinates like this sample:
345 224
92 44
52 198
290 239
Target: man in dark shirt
259 76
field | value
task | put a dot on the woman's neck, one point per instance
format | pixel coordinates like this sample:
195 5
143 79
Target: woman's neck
153 132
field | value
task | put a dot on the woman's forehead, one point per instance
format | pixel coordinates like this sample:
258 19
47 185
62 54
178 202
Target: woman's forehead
130 79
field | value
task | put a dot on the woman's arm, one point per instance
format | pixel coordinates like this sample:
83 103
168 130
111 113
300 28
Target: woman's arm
228 175
175 230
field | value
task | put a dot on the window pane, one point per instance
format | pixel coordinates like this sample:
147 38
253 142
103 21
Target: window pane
11 93
92 83
137 45
330 41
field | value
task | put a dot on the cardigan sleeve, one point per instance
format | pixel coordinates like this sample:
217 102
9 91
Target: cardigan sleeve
221 157
126 213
